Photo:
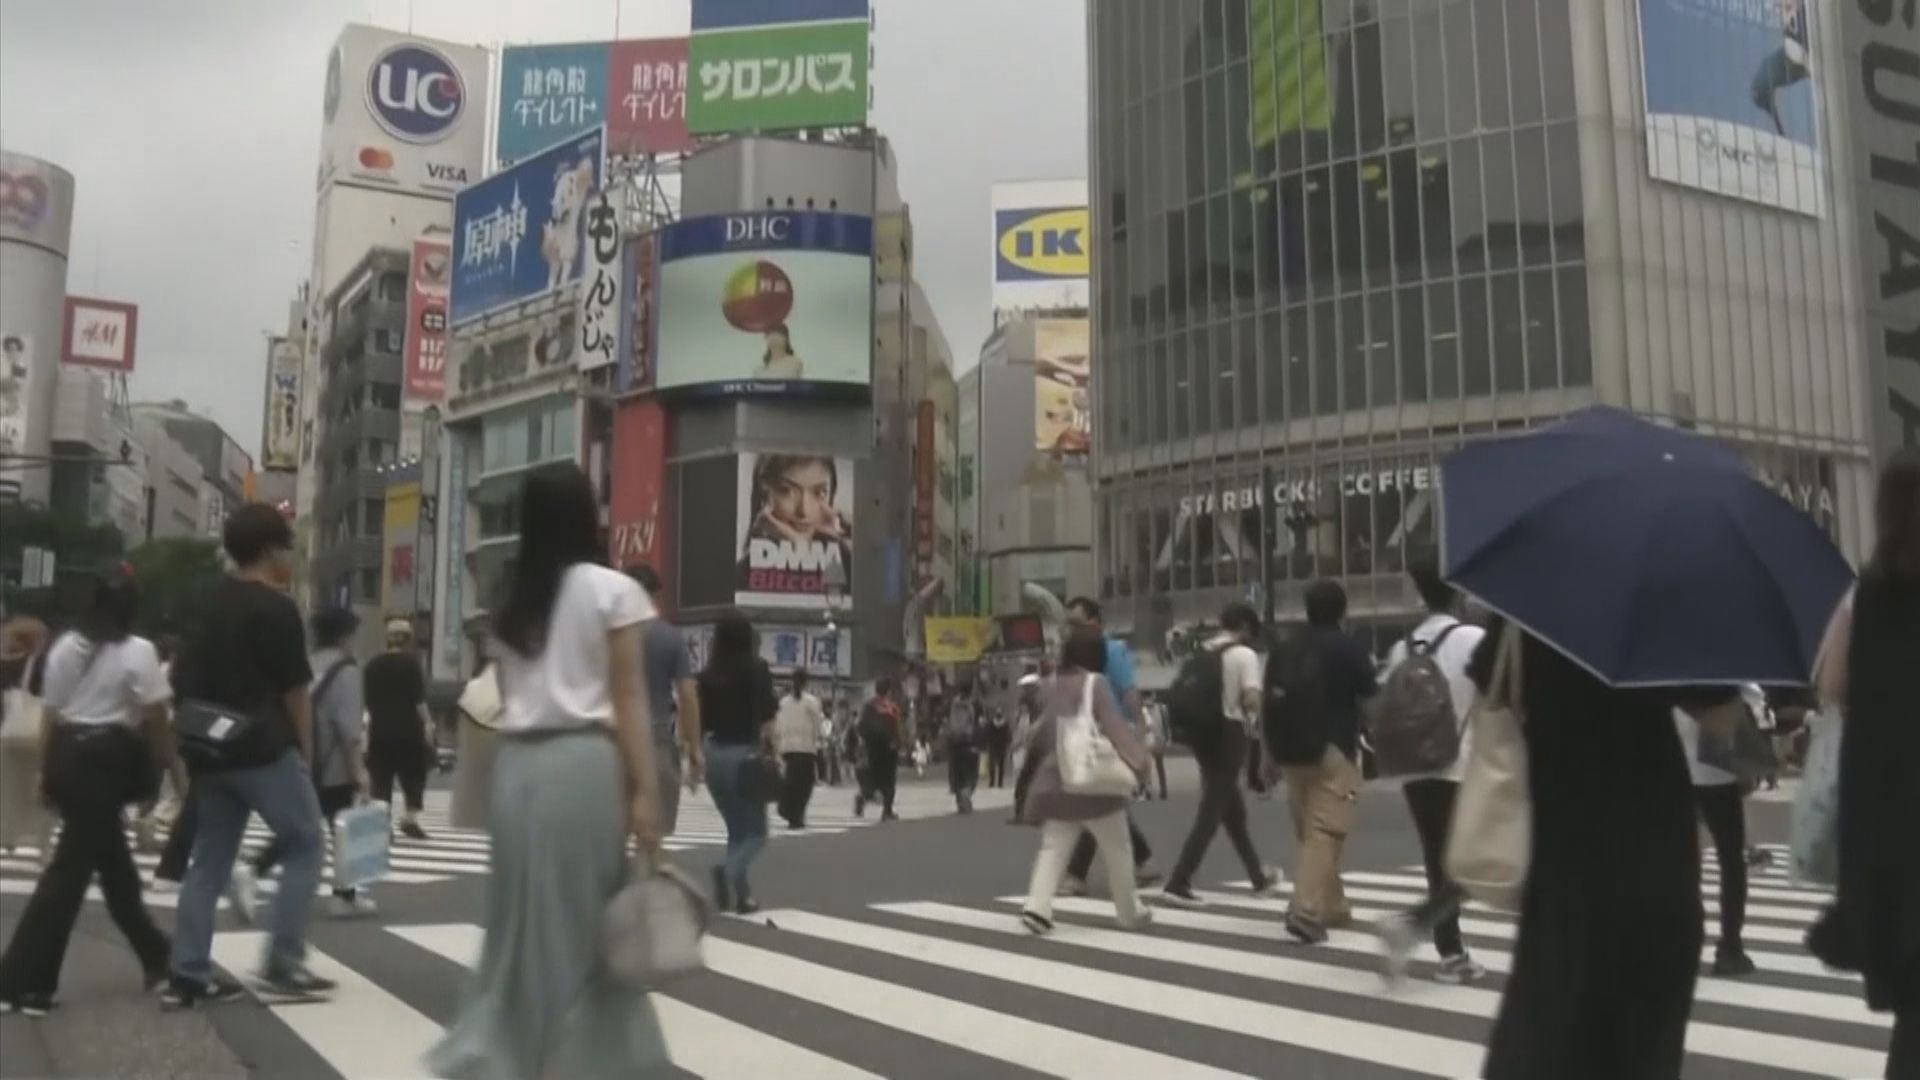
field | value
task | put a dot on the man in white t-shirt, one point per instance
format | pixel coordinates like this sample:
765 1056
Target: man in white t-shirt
1451 642
1221 758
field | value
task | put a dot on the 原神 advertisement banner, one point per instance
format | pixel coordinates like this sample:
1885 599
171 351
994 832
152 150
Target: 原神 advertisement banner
521 233
794 531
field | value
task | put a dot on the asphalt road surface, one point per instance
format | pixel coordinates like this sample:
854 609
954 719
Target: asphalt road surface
893 951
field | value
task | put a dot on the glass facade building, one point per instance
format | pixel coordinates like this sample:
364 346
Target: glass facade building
1336 238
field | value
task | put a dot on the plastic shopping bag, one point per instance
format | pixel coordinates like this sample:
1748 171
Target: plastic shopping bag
361 838
651 931
1816 810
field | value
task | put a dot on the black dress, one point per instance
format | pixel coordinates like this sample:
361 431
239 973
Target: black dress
1610 924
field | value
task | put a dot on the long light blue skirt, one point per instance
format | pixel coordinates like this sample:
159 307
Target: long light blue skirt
538 1006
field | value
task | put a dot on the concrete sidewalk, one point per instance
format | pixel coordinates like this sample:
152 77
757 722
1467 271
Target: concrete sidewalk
105 1025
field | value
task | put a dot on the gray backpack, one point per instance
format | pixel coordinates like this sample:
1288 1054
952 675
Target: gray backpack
1416 730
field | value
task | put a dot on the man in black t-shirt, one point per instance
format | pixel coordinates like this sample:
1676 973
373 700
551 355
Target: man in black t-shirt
249 659
398 726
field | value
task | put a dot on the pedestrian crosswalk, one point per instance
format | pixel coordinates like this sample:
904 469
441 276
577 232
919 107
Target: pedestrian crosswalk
959 988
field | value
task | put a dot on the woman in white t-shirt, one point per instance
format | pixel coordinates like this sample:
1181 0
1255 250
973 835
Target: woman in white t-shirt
103 694
573 778
796 737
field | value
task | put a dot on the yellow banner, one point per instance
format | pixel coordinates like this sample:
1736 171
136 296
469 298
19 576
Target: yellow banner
956 640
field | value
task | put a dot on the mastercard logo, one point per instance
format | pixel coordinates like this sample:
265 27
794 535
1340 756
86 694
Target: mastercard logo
376 157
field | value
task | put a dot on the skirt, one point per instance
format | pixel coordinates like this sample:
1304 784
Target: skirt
538 1005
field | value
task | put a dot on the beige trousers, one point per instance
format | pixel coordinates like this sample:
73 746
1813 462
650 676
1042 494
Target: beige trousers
1320 799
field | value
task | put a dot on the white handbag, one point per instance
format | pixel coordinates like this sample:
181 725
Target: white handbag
20 714
1089 762
651 930
1490 844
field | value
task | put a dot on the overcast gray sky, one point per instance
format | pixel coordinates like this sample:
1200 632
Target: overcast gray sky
193 130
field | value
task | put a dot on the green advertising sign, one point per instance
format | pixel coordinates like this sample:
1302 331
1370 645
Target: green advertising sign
777 78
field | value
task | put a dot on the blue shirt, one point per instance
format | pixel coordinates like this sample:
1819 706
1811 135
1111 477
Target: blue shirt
1119 674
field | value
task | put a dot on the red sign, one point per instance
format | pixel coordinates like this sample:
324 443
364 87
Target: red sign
647 97
636 507
923 494
99 333
426 347
635 372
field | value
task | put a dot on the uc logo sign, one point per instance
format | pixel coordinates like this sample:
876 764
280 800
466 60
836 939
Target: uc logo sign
415 93
1039 245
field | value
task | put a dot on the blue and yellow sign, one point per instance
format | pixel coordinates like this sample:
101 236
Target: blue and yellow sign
1041 244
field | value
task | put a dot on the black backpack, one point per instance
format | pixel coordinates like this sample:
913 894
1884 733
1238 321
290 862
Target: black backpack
1194 715
1294 716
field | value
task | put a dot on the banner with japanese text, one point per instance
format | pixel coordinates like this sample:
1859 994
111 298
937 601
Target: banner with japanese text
777 65
426 344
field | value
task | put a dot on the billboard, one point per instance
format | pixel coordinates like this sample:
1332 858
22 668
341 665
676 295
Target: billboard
598 316
794 532
36 202
16 391
637 506
777 65
403 113
1732 101
765 302
280 447
1286 70
520 233
1062 413
956 639
1877 48
827 654
638 89
399 531
639 266
426 345
924 469
99 333
1042 255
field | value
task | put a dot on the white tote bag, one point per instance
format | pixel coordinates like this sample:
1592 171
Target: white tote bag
1089 762
1491 842
651 930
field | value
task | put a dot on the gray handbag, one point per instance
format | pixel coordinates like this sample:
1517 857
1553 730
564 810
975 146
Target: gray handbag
651 930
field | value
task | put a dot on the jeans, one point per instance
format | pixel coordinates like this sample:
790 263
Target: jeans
332 800
1320 800
666 769
740 807
282 794
796 789
85 779
1221 806
186 826
1726 820
1057 838
1431 804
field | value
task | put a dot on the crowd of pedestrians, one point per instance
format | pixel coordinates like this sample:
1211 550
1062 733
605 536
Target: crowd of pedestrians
597 719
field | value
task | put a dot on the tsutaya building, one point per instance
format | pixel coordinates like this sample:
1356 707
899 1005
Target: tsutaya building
1397 229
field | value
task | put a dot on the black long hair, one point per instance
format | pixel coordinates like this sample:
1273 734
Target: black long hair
1896 550
732 653
799 682
560 526
109 618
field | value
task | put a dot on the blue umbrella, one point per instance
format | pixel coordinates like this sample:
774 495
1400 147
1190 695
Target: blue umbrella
1646 555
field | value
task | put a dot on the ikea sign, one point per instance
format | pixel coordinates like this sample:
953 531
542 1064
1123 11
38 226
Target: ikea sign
1041 244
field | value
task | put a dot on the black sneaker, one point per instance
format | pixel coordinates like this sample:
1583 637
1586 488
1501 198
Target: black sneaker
1304 931
187 994
413 830
293 983
1733 963
722 896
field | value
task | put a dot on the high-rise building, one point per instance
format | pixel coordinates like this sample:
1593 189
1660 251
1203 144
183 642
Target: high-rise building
1332 241
36 224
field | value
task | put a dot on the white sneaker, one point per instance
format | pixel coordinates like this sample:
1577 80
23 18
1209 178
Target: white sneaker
1459 970
243 892
359 906
1397 942
160 885
1142 915
1275 881
1072 886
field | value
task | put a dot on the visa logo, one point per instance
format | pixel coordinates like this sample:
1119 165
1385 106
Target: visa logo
1043 244
449 174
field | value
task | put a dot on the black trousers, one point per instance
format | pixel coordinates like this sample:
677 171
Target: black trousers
405 762
87 778
796 787
1221 806
1903 1054
1721 808
883 773
333 799
998 744
1160 769
963 768
1431 804
1083 851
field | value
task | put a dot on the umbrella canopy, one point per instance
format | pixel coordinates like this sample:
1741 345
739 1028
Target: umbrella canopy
1646 555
